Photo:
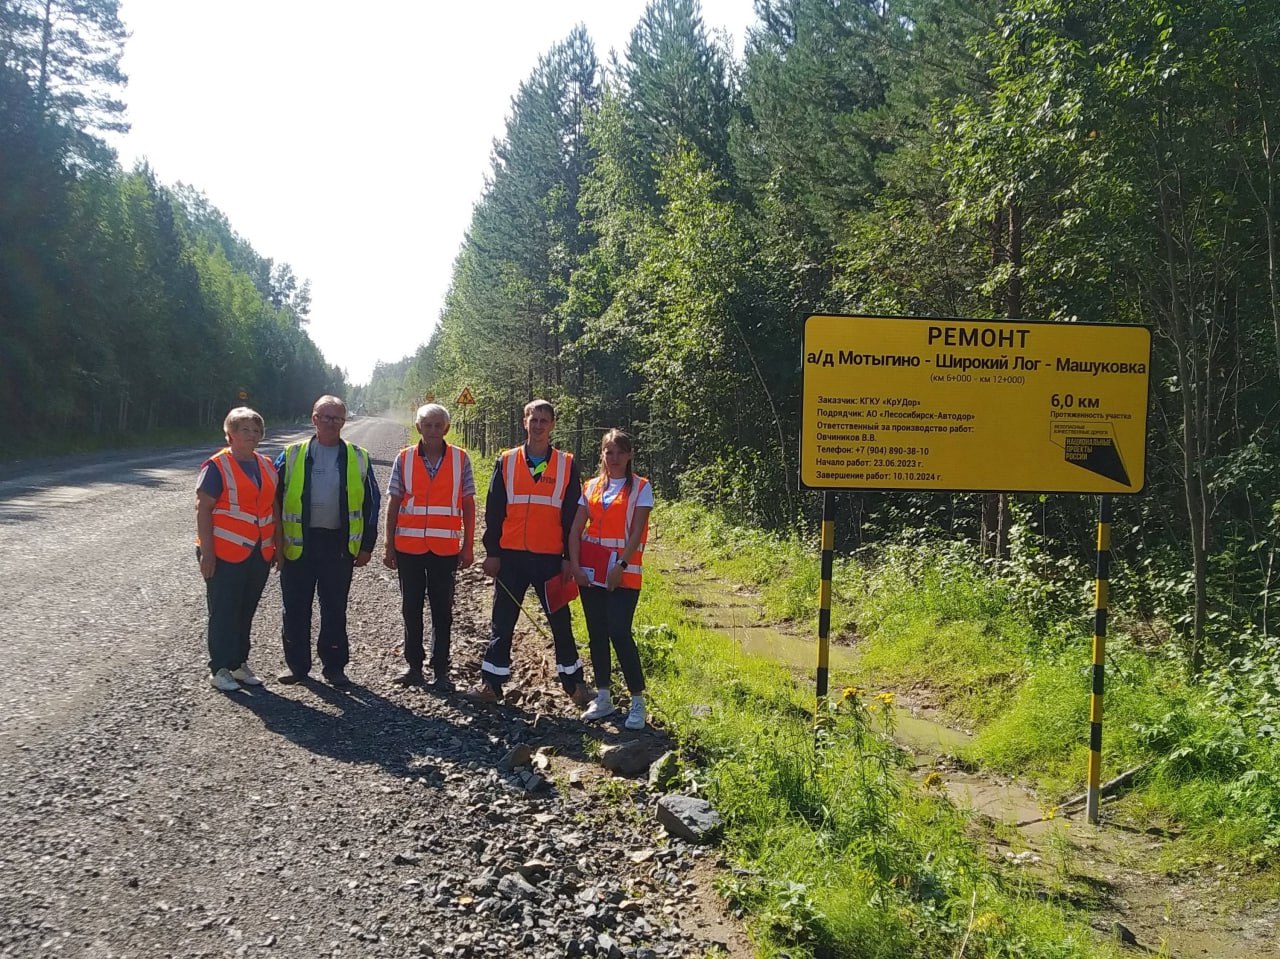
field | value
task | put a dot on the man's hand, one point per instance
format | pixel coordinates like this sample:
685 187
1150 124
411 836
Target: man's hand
580 576
363 557
466 557
491 565
208 562
389 558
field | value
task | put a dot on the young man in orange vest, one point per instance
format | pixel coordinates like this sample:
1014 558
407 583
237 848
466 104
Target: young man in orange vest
431 528
235 542
531 504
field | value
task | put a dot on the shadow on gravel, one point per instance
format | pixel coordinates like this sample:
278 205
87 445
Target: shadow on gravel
369 728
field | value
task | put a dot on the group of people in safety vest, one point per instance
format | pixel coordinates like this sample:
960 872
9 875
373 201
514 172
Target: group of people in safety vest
313 513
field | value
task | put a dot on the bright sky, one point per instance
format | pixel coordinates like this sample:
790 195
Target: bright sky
350 142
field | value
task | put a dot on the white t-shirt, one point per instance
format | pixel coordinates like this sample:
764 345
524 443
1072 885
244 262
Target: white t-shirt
611 490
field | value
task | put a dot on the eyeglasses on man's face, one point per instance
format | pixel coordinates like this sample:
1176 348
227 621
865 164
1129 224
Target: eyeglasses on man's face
330 418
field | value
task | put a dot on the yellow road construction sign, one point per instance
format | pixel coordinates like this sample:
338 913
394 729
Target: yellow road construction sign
465 398
907 403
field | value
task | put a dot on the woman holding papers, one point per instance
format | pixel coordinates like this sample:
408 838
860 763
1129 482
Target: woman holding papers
606 546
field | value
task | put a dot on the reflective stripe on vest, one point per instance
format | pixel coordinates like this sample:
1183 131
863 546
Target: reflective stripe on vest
295 479
242 516
533 519
430 516
611 528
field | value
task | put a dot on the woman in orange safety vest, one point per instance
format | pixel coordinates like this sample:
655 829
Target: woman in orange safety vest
235 543
606 550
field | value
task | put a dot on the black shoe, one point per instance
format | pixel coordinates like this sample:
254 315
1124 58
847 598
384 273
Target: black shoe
336 677
410 677
444 686
289 677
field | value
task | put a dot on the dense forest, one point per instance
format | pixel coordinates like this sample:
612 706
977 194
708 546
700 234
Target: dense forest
655 229
125 305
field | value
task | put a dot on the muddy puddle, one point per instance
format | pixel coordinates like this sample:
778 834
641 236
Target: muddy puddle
1100 870
716 605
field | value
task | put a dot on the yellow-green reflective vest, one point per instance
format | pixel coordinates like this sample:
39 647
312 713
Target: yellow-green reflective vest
295 476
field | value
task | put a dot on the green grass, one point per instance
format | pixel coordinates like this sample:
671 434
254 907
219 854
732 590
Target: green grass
67 443
930 618
837 852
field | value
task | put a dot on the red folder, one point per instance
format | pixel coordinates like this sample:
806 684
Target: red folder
560 592
596 561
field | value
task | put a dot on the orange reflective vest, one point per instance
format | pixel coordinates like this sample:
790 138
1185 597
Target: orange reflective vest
430 517
244 515
611 526
532 520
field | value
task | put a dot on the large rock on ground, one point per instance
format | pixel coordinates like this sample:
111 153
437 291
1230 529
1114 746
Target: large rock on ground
687 817
629 758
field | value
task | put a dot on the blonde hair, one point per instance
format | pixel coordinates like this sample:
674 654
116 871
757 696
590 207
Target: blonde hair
624 442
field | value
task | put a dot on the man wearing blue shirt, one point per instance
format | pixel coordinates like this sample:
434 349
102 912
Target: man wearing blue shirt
329 505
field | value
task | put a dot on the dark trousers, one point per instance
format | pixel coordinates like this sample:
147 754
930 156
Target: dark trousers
519 571
427 577
323 569
233 592
609 616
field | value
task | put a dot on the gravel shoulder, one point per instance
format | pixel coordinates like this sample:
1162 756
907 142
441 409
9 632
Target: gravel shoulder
149 815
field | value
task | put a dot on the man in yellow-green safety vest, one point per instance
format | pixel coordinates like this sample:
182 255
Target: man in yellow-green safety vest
328 507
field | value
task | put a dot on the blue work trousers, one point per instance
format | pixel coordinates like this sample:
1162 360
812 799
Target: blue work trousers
519 571
323 570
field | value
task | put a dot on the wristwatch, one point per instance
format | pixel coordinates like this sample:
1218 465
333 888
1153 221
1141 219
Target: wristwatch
622 562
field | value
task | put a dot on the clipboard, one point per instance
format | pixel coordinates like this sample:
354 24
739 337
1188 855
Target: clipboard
596 561
559 592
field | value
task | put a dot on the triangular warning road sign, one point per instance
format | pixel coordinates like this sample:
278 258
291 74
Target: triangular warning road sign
465 398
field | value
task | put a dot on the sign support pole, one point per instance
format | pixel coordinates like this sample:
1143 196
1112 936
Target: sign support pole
1101 596
824 598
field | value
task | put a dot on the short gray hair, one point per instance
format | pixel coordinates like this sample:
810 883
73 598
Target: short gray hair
329 400
431 409
242 414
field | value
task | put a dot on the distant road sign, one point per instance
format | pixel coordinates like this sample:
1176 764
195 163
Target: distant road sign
243 394
466 398
429 398
902 403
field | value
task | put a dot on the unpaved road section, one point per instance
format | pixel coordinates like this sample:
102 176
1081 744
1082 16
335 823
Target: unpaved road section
145 814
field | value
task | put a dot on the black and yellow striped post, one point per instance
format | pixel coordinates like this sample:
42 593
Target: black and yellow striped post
824 599
1099 658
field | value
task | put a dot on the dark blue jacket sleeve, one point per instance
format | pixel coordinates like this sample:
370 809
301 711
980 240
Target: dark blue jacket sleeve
495 511
569 508
279 465
372 509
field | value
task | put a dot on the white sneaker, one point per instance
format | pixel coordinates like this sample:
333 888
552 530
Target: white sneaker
636 715
602 707
224 681
245 674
